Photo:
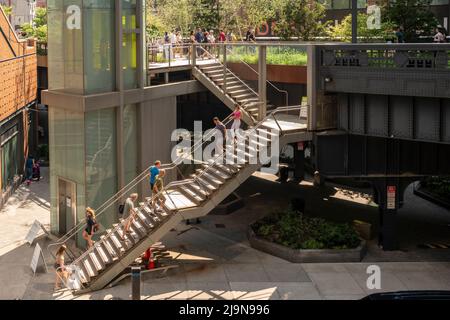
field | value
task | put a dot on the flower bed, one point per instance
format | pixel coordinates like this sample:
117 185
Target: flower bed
294 237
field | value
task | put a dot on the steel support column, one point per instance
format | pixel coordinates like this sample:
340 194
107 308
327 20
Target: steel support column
120 89
262 81
354 21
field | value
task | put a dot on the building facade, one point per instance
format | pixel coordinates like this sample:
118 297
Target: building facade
105 125
23 11
18 90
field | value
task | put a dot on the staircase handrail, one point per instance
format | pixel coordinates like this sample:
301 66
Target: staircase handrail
138 179
268 81
175 183
228 70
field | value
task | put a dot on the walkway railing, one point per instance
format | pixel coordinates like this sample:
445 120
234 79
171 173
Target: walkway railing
387 56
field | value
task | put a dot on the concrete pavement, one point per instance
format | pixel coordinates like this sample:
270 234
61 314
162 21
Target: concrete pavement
215 260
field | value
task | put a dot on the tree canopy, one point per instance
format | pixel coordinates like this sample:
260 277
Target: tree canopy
414 16
38 29
6 9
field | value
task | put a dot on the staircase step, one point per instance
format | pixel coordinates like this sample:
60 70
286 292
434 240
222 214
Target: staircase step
114 249
157 219
210 72
246 96
209 66
144 221
227 169
238 91
199 189
205 184
230 83
103 253
211 179
214 175
97 260
191 195
233 87
91 270
84 271
219 173
246 102
138 227
128 240
267 132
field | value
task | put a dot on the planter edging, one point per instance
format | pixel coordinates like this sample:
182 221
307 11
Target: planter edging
307 255
420 191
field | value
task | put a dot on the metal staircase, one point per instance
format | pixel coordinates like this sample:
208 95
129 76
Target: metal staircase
186 199
229 88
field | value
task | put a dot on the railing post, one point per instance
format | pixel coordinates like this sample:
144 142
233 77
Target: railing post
313 53
224 68
262 81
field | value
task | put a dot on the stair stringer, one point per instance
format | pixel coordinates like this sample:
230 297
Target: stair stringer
218 92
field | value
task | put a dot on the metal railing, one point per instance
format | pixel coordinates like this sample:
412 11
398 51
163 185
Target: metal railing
226 70
390 56
127 188
257 73
196 180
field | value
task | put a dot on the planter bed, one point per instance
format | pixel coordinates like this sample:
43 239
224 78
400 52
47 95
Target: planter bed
307 255
422 192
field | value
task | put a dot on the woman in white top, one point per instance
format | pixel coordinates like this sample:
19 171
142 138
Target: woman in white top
61 272
439 37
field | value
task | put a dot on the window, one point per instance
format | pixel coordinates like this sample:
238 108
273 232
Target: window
341 4
10 166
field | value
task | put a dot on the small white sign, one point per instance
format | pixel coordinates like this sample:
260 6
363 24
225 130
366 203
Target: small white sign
391 190
37 256
34 231
68 202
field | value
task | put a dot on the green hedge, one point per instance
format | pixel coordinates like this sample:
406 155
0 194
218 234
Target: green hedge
295 230
438 186
275 56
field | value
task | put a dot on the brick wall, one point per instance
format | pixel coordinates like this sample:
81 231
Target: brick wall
18 71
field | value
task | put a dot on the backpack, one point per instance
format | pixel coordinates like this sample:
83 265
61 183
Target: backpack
121 208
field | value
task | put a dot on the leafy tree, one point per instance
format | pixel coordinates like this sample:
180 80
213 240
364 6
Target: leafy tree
170 15
242 14
187 15
38 29
299 18
206 14
7 10
414 16
343 30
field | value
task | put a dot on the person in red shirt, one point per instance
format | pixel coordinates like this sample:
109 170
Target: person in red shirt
222 36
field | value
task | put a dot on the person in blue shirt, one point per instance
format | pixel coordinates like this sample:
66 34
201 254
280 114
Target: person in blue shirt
29 169
154 171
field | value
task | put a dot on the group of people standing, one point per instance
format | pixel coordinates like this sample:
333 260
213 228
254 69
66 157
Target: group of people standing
439 36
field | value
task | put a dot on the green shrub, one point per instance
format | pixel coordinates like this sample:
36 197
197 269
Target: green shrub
275 56
438 185
296 231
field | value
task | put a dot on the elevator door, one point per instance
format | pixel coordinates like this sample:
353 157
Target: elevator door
66 205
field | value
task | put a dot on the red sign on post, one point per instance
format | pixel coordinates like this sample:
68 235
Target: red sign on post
391 190
300 146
